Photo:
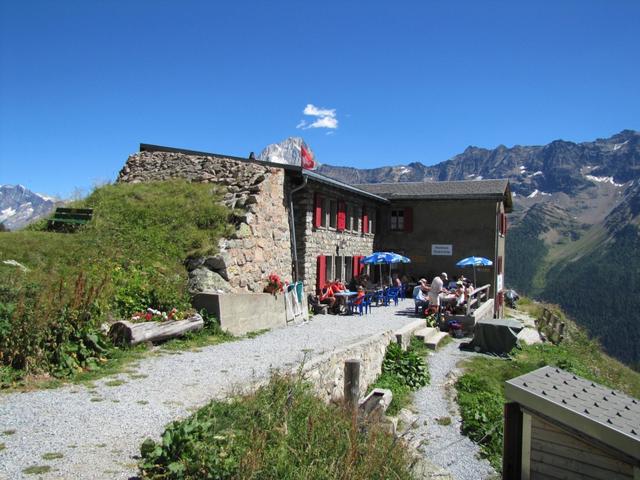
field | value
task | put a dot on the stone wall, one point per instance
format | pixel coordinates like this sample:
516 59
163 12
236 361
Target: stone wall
261 243
326 372
312 242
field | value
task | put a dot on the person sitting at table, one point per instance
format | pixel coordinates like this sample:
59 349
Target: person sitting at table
468 292
420 296
326 296
338 286
353 284
360 297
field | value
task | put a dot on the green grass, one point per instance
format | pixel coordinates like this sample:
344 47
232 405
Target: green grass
114 383
481 388
281 431
2 446
36 470
128 258
52 455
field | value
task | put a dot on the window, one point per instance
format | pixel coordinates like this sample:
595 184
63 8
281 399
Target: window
332 213
401 220
397 220
348 268
502 224
372 221
323 212
330 271
338 269
350 219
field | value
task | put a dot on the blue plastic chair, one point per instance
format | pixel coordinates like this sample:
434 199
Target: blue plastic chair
366 303
391 293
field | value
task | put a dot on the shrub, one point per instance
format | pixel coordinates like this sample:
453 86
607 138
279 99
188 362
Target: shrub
54 329
282 431
407 365
402 372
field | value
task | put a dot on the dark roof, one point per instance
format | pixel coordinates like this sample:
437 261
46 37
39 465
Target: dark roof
146 147
607 415
468 189
311 175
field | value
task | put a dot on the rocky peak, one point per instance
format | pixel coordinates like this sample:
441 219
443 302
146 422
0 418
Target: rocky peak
20 206
287 151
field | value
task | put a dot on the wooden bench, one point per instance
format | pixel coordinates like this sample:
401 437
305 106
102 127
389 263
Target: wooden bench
550 326
68 219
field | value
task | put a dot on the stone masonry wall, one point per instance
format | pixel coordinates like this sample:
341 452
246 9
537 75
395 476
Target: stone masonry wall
261 244
326 372
312 242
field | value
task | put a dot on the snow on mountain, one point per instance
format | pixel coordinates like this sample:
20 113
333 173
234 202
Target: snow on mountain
287 151
20 206
603 180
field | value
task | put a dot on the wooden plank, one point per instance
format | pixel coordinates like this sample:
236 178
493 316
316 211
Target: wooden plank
576 467
543 470
547 432
74 210
590 458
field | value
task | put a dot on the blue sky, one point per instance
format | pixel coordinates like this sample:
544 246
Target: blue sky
83 82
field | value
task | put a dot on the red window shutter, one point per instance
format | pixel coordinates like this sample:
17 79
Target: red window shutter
321 272
317 217
408 219
365 220
342 216
356 265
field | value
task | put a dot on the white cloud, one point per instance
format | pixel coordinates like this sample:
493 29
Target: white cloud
314 111
325 118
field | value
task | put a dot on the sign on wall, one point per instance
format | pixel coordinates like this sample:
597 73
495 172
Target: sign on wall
441 249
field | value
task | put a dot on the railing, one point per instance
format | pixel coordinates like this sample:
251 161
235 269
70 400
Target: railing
479 295
551 326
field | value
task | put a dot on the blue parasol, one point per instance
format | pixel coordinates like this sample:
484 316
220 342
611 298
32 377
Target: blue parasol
474 262
387 258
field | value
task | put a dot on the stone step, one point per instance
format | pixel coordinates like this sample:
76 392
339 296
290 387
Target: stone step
432 343
404 334
426 333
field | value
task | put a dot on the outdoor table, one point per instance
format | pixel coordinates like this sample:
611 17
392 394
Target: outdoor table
342 297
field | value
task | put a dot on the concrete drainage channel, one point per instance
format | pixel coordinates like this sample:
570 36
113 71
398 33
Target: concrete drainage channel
345 374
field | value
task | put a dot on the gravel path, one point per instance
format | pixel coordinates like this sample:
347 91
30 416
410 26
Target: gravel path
444 445
99 431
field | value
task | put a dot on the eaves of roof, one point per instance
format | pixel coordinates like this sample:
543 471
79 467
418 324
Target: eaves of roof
606 415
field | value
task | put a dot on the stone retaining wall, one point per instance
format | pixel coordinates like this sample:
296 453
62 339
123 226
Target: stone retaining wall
261 244
326 372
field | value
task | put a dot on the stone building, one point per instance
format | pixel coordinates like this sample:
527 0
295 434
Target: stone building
305 226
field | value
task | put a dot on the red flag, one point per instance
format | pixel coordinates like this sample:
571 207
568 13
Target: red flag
308 161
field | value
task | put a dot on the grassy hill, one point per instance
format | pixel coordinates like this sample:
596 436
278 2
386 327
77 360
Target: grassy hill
591 271
127 259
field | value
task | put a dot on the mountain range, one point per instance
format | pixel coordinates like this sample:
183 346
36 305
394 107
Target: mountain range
20 206
574 233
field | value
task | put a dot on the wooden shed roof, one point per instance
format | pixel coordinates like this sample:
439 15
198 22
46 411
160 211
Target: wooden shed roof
599 412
